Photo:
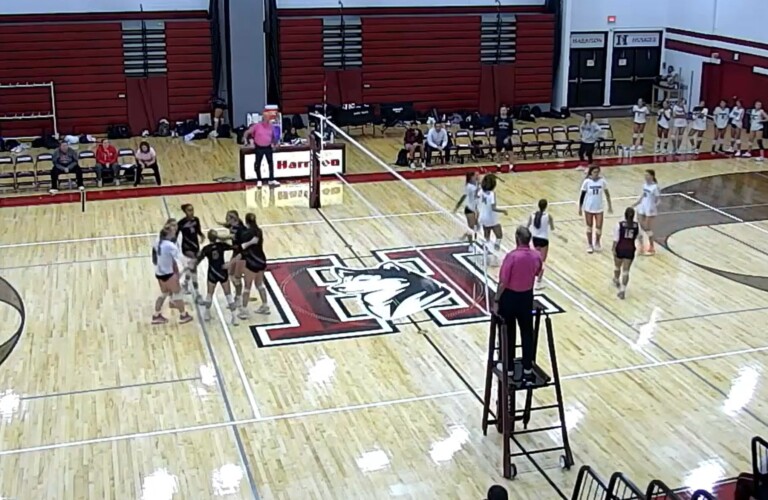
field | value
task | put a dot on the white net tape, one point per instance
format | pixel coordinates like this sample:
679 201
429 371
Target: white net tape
455 219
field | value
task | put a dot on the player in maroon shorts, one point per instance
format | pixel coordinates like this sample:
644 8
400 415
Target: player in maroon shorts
624 237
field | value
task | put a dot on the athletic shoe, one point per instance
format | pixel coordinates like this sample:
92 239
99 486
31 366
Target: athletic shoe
263 309
185 318
207 314
81 188
243 314
737 153
616 282
598 248
53 191
99 183
258 184
747 155
273 183
233 321
759 158
621 294
590 249
539 284
159 319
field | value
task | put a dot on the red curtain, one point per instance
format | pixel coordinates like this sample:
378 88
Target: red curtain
344 86
147 102
497 87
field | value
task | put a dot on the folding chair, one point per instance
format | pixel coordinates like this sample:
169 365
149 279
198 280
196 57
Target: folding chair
607 143
481 140
561 141
529 142
87 160
43 166
24 166
462 145
126 157
517 142
7 173
546 143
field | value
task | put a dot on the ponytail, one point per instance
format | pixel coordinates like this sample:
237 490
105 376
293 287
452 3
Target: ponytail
539 214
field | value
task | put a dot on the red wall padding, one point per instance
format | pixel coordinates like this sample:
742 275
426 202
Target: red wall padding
301 64
433 62
535 54
190 63
84 61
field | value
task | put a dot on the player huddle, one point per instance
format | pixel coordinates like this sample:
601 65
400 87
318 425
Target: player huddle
730 123
177 253
481 211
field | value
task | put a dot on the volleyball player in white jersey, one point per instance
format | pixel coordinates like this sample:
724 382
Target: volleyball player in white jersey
736 119
698 127
469 200
663 122
540 223
648 208
679 122
757 119
488 216
165 254
720 116
592 205
640 117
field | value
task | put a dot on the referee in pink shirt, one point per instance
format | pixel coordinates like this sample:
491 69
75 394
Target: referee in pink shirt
514 296
263 135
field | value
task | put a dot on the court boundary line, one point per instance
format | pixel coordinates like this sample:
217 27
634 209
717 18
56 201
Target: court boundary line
108 388
341 219
363 406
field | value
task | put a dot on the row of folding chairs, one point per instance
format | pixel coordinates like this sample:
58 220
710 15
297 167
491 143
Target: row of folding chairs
24 170
560 140
590 486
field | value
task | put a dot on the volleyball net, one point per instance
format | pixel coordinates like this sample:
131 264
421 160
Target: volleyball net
412 226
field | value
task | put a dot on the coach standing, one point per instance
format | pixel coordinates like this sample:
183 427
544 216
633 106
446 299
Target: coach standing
262 134
514 297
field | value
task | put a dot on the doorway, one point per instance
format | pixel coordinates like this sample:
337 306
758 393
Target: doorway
586 73
635 66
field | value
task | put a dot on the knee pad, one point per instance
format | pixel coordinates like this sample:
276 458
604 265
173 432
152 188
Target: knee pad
177 297
261 288
598 231
166 295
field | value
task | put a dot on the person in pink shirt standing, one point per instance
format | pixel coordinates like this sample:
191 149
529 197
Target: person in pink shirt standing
262 135
514 297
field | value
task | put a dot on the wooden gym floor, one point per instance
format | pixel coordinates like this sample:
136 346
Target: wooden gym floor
97 403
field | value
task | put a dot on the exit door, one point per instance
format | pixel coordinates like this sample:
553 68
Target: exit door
586 78
635 66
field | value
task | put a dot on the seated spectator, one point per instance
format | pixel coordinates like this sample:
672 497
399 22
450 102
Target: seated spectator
146 158
106 157
414 141
65 162
291 136
437 140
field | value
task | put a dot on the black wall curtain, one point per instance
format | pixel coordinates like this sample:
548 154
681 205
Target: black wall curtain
556 8
214 15
272 43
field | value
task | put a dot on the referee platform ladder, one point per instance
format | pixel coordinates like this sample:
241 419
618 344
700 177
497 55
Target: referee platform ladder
508 374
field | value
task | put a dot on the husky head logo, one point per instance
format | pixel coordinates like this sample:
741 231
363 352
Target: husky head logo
389 291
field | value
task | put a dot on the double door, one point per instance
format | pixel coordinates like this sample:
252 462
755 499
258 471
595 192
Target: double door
586 77
633 71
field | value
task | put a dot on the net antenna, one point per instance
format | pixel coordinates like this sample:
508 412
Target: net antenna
487 282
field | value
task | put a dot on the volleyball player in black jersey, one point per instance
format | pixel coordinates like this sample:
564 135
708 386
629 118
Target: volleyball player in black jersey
252 244
217 273
624 237
191 235
236 266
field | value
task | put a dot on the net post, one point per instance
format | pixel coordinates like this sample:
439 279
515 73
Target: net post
314 171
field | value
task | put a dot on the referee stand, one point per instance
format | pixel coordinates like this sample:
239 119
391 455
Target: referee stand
508 374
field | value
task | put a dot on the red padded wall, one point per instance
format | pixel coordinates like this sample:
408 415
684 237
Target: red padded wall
190 63
535 54
430 61
301 64
84 61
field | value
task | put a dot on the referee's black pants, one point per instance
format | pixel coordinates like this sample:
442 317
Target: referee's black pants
517 309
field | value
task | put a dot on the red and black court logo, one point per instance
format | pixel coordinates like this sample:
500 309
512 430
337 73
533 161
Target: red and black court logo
322 298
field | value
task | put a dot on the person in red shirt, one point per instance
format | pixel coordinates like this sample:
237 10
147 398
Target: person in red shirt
106 157
414 141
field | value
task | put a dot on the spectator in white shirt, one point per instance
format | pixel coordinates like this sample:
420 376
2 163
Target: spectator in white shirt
437 140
